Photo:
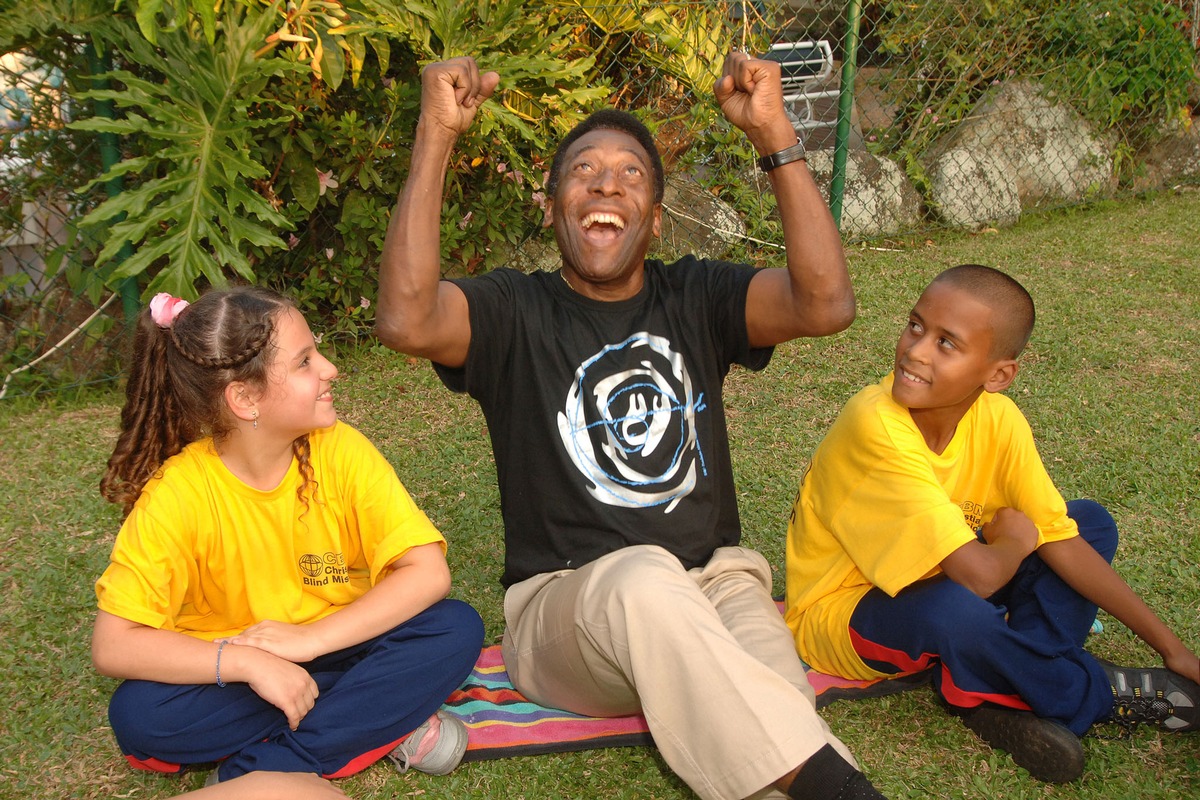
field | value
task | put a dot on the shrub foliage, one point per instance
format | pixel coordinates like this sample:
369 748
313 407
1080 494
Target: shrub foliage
267 141
1124 64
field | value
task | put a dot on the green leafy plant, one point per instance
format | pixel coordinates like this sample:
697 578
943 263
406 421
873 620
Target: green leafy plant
267 141
547 82
194 205
1128 63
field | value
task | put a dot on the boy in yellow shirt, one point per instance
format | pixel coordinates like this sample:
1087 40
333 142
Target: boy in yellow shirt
927 534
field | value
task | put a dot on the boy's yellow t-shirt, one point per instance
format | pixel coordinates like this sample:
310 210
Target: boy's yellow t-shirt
204 554
878 508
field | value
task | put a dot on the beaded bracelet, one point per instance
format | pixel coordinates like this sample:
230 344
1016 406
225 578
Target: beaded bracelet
220 682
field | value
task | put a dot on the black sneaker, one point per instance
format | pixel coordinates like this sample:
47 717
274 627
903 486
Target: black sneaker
1047 749
1153 696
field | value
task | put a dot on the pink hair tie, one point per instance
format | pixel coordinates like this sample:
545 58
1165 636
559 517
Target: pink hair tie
164 309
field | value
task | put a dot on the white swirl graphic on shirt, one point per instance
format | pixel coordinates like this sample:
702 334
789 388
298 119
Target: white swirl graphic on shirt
629 424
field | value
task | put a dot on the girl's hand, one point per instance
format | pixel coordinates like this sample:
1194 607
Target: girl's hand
296 643
281 683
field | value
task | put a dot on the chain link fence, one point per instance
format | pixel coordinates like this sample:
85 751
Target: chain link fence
915 114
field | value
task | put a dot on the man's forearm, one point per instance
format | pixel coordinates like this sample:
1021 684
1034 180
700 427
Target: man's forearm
410 265
816 261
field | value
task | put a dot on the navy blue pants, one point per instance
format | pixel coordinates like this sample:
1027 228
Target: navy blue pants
1021 648
372 695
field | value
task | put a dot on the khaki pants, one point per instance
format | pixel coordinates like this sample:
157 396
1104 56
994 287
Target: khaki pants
703 653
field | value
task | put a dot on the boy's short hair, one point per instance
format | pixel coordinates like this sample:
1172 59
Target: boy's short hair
610 119
1004 295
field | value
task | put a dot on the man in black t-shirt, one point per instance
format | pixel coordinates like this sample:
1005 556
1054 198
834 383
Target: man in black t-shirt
627 589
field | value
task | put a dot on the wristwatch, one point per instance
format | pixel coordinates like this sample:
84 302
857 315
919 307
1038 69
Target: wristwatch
784 156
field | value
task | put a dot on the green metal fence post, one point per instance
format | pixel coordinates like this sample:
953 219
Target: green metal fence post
110 154
837 185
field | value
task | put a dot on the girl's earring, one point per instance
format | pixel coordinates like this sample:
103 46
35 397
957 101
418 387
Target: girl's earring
256 419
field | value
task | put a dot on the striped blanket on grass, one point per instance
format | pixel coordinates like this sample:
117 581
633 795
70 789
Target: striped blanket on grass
501 722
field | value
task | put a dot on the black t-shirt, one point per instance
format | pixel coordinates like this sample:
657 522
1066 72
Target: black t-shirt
607 419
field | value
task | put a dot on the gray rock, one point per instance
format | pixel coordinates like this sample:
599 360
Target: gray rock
969 189
1047 145
879 199
696 221
1171 160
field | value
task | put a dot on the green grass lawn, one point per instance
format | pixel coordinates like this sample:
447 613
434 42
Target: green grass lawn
1109 384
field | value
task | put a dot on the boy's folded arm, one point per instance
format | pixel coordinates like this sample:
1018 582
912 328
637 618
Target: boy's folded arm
985 567
1086 571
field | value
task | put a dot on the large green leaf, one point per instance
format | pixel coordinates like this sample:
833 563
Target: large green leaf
194 207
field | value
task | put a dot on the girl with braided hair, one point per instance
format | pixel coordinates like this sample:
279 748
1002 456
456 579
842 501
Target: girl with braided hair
275 601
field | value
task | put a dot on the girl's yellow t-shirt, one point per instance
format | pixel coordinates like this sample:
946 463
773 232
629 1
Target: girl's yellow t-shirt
204 554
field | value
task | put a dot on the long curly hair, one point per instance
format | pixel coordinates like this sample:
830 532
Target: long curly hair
177 379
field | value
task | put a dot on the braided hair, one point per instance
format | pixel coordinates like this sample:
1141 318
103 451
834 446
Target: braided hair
177 379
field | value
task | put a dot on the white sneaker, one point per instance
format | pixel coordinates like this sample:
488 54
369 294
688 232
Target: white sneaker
436 747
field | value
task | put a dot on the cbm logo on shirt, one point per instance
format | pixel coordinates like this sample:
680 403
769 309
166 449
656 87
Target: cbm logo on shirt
323 570
972 513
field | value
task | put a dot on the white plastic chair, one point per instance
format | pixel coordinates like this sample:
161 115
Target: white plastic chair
804 65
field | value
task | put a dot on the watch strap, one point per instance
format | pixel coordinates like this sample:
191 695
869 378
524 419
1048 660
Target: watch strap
785 156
